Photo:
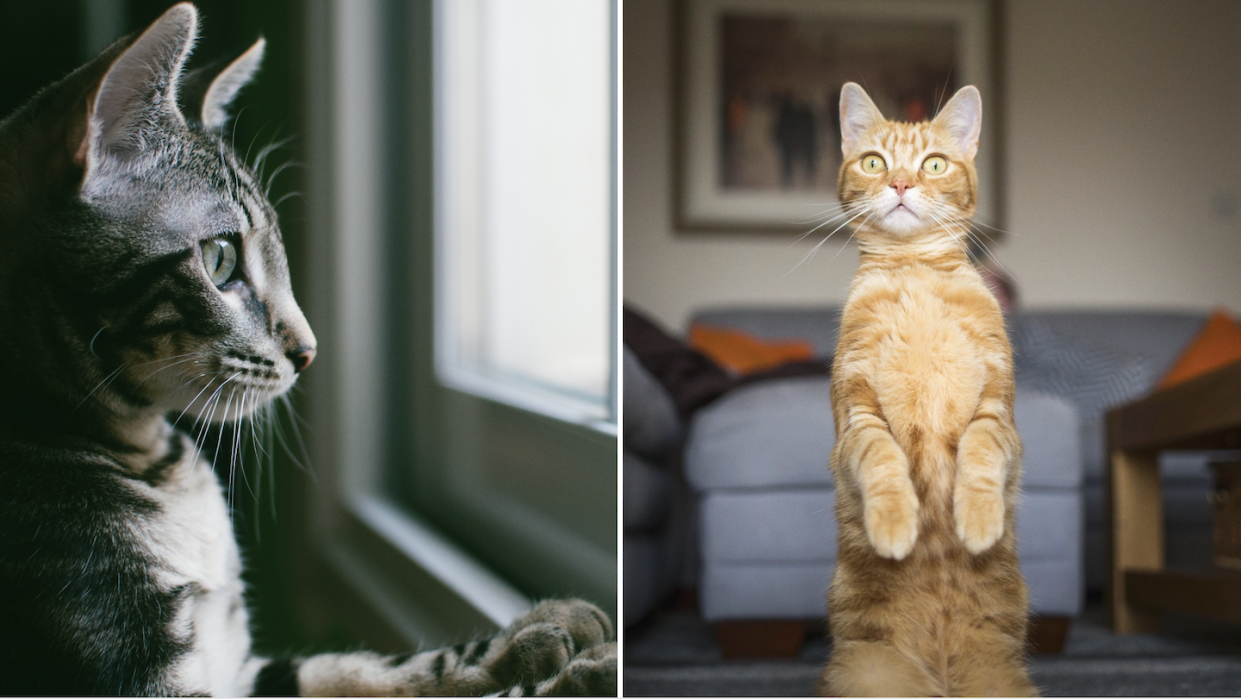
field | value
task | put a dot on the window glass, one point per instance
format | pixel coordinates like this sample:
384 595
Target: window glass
524 208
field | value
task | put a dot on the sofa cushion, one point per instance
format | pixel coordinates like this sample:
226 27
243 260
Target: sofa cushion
1051 454
770 554
747 526
799 590
785 526
779 434
764 591
771 434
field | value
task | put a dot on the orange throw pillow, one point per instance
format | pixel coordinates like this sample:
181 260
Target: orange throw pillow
742 353
1218 344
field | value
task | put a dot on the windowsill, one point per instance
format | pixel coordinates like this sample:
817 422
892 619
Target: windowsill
431 591
547 404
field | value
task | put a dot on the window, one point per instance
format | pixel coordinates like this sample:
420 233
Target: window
464 403
524 173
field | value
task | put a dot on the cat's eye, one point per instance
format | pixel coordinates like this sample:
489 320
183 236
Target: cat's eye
220 260
873 164
934 165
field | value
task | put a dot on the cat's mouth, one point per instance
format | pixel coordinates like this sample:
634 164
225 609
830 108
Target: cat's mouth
900 208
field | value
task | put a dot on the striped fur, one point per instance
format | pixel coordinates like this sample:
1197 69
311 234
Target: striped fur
119 571
927 598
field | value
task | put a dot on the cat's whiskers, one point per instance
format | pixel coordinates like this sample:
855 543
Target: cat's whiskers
259 160
828 222
833 208
845 211
235 446
192 356
860 212
275 173
209 409
952 227
297 433
200 392
287 195
969 229
854 232
103 384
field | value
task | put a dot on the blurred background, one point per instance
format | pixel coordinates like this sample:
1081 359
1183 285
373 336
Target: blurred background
1114 132
447 198
1109 228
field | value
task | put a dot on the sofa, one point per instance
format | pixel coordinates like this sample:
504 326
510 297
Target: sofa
761 495
657 512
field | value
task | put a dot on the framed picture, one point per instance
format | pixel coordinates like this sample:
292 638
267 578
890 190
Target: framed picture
759 93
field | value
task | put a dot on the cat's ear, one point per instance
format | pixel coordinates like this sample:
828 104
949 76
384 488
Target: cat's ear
139 89
207 92
858 114
961 118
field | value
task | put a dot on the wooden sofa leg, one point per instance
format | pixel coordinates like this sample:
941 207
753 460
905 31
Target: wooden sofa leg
1047 633
760 639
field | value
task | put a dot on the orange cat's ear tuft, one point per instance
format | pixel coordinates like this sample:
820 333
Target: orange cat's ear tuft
962 119
858 114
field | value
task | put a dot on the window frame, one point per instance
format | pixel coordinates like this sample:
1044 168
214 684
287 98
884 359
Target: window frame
373 396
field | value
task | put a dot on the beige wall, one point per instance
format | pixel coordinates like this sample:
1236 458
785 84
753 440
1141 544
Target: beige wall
1123 168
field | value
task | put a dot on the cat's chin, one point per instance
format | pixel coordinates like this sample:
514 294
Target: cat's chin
900 223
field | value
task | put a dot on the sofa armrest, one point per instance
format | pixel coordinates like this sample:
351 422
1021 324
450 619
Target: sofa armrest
652 427
1048 426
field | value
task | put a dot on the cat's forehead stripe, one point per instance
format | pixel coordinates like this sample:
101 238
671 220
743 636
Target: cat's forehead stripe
904 139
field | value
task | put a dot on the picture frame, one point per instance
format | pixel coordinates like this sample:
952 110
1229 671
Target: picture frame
757 95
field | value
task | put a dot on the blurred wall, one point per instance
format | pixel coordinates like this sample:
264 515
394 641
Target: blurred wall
1122 146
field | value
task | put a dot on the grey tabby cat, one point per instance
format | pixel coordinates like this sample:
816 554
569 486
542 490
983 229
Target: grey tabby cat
143 278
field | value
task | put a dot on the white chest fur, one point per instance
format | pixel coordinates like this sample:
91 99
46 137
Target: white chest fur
191 540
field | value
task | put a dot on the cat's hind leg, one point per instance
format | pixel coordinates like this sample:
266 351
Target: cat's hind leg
874 669
992 668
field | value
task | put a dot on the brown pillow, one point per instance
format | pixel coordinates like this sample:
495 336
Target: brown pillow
1218 344
743 353
689 376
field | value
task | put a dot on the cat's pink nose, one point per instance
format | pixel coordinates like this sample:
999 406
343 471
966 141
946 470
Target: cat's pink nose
301 358
901 186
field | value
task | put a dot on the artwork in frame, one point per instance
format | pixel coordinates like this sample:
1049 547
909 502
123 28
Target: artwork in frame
759 92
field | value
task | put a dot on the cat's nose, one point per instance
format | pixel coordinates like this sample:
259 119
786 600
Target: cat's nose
301 358
900 186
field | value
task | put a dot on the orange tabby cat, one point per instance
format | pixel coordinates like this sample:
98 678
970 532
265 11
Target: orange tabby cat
927 598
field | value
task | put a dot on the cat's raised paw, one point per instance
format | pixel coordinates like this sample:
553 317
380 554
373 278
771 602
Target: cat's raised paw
980 518
892 522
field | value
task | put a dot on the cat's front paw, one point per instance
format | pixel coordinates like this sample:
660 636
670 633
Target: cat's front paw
591 674
585 623
534 653
979 516
541 642
891 520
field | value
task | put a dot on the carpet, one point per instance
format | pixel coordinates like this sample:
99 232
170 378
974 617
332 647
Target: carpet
674 654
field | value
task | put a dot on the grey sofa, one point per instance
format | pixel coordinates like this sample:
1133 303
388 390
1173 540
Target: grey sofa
657 509
756 462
